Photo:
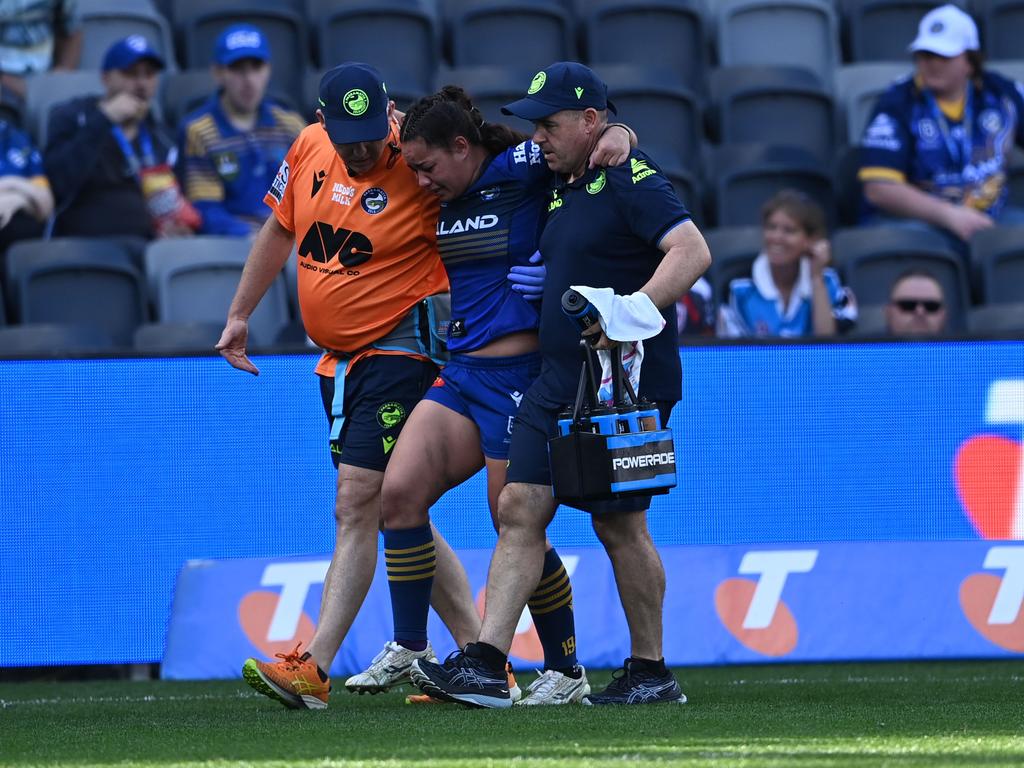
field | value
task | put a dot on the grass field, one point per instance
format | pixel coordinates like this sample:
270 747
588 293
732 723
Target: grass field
924 714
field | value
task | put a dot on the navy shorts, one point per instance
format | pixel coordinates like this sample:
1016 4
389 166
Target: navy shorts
380 393
486 390
536 423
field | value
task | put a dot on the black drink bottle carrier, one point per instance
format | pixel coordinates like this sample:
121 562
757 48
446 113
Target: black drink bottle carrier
610 452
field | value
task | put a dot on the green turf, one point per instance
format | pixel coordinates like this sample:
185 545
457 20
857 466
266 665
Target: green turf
926 714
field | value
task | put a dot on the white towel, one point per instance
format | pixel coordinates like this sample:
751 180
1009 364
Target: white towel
628 320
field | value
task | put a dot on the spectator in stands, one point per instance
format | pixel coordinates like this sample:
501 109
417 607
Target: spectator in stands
110 162
232 146
917 305
25 198
694 312
36 36
791 291
935 151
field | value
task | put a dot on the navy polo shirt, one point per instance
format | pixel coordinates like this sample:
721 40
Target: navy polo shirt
603 231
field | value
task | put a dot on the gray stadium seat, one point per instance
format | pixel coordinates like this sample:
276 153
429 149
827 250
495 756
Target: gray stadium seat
773 105
1003 28
78 281
104 22
870 321
689 188
491 88
795 33
668 35
181 92
1016 177
996 319
997 262
857 88
354 31
871 258
665 114
744 176
284 28
733 250
192 280
531 33
49 339
45 89
881 30
177 337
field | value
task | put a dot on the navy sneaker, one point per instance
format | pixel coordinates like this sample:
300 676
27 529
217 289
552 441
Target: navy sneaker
463 679
632 684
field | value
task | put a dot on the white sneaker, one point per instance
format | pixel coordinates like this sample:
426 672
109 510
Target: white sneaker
389 668
553 688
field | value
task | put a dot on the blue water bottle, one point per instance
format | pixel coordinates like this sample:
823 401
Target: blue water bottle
576 306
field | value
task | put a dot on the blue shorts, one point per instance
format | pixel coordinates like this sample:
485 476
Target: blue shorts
486 390
380 393
537 423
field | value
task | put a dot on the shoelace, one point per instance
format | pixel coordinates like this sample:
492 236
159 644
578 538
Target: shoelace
621 680
453 658
544 684
292 659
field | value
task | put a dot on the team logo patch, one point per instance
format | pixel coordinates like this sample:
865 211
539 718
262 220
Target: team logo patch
226 164
374 200
928 131
391 414
597 184
356 102
537 83
280 183
490 193
991 121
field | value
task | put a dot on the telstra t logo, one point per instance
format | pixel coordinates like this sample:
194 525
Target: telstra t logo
753 611
993 604
275 620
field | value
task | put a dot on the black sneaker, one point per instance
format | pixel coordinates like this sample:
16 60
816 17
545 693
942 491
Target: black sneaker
632 685
463 679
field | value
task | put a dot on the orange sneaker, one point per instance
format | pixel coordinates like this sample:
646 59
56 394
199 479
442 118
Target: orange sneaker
294 681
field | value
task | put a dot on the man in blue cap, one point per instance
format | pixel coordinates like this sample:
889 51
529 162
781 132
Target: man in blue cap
624 226
232 146
99 148
364 232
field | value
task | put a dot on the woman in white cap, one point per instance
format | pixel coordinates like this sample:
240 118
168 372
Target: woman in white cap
936 149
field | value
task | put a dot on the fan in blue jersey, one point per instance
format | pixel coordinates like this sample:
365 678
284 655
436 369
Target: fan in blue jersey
791 290
492 184
936 150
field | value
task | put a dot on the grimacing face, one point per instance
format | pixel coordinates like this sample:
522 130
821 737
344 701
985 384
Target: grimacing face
445 172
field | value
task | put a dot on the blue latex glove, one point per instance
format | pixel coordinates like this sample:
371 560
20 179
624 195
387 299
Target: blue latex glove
528 282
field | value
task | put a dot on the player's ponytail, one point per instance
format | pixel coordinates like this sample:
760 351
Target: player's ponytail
437 119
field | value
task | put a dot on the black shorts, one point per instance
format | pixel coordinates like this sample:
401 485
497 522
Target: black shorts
380 393
536 423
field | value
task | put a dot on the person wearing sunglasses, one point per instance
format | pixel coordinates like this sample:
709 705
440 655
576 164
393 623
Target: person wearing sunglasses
936 150
917 305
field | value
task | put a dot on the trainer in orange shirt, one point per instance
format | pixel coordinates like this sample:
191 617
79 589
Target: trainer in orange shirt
368 259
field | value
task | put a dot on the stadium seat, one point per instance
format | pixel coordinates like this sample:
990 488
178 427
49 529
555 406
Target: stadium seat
284 28
104 22
746 175
1003 26
665 114
996 319
531 33
857 88
871 258
795 33
997 263
871 321
91 282
177 337
48 339
881 30
1016 177
491 88
45 89
193 280
667 35
733 250
1011 68
689 189
353 31
774 105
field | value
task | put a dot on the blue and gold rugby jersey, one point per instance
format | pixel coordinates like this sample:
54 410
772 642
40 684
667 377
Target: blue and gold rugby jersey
495 224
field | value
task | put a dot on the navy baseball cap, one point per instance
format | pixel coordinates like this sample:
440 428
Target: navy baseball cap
355 103
124 53
563 85
241 41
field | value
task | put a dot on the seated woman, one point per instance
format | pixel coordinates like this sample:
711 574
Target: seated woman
791 291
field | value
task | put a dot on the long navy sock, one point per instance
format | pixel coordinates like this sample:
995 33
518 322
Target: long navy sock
551 608
410 558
